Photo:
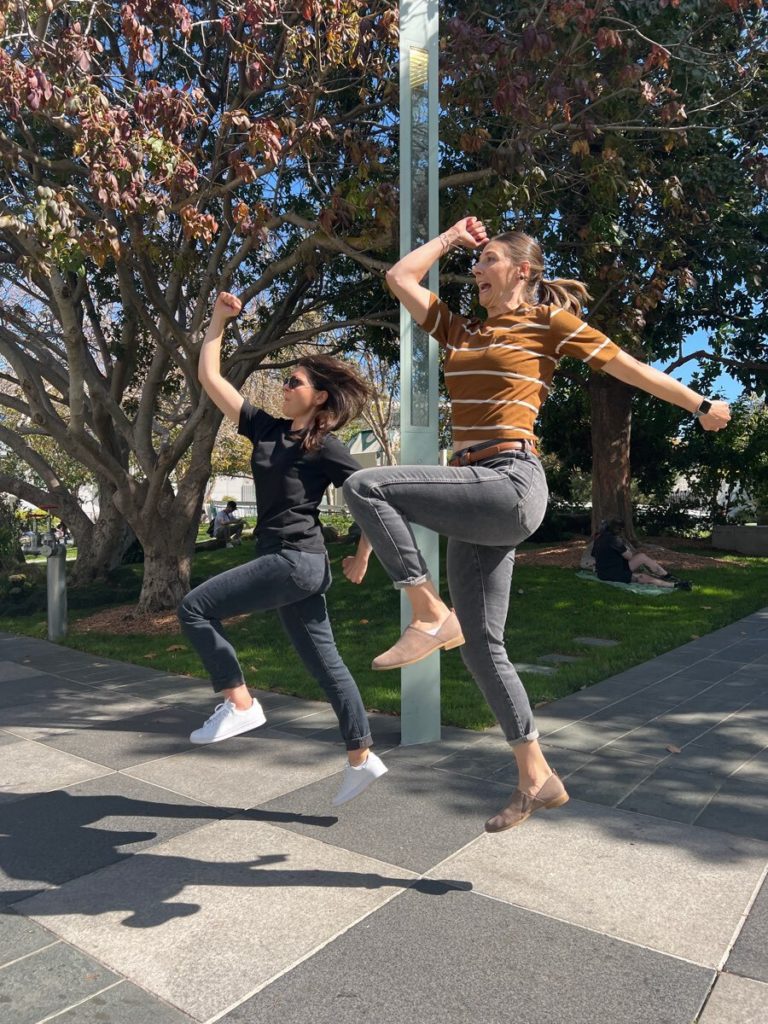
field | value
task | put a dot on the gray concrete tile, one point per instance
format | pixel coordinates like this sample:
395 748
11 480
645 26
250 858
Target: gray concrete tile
754 770
69 710
480 760
413 816
32 689
672 793
608 780
50 981
237 902
10 671
675 888
595 641
591 736
426 754
460 959
123 743
115 673
323 720
560 659
748 956
124 1004
745 651
245 770
736 1001
20 936
51 838
27 768
739 807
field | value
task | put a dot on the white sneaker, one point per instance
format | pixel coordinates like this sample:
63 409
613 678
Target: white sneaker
357 780
227 721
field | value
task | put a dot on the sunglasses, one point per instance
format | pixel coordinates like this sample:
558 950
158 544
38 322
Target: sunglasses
295 382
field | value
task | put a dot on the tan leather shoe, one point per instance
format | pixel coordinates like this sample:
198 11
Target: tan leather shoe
414 644
521 806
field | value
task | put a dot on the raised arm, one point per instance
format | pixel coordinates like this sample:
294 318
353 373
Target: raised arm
405 277
631 371
219 390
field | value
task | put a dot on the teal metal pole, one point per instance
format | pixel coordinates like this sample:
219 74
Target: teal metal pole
419 22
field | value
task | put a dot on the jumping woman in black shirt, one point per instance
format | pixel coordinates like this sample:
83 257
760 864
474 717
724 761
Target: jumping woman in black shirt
294 460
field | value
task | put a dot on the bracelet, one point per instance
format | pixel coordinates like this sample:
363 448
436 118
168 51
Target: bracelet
446 245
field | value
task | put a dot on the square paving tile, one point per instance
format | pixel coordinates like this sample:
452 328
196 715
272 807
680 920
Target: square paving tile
124 742
19 936
736 1001
740 807
50 981
33 689
69 710
107 672
48 839
413 816
460 959
673 793
10 671
27 767
124 1004
245 770
237 902
676 888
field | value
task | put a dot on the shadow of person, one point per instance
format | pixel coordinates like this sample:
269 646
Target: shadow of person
51 838
58 838
147 889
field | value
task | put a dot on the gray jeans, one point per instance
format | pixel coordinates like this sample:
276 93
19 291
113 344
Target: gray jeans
293 583
485 510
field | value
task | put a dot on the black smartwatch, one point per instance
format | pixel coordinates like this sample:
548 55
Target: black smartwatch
704 408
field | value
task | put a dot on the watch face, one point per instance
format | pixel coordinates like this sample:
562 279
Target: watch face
704 408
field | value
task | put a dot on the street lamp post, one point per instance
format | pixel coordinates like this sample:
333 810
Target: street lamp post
419 19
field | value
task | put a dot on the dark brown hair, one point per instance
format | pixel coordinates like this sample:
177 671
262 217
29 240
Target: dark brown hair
570 295
347 395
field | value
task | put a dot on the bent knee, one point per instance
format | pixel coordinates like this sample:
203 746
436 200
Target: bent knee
360 484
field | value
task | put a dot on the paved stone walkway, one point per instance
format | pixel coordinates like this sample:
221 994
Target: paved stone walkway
149 882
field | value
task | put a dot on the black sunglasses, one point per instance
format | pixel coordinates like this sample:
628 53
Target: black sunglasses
295 382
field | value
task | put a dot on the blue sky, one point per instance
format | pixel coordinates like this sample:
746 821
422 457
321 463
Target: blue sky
725 385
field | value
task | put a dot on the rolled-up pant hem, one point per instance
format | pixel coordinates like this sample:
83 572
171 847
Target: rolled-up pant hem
218 687
415 581
363 744
529 738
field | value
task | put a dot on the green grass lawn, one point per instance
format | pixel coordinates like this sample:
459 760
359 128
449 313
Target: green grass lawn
549 607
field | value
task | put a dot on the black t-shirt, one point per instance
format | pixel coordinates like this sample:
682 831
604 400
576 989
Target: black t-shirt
610 563
290 482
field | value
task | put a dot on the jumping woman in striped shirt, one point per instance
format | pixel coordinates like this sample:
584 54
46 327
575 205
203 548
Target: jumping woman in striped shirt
493 495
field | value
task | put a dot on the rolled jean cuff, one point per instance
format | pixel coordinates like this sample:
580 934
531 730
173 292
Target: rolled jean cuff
363 744
229 685
415 581
529 738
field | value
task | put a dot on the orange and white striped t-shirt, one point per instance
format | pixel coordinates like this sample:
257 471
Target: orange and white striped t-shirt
499 371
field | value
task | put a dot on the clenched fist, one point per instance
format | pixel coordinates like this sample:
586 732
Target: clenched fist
227 306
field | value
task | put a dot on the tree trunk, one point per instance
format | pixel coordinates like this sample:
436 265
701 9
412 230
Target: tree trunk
611 403
166 522
166 577
100 548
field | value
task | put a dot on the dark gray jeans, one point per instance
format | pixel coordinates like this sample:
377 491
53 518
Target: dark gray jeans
293 584
485 510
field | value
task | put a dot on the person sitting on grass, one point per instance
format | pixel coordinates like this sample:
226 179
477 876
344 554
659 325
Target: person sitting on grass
228 527
617 562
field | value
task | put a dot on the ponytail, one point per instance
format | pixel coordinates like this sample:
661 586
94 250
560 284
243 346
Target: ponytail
567 294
